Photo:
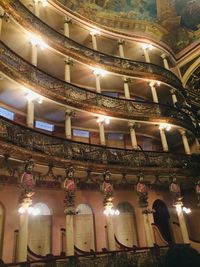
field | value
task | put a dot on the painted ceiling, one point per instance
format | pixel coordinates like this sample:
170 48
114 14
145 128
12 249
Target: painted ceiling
184 13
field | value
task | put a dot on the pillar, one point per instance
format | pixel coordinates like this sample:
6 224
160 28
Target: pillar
98 84
23 237
2 13
197 144
146 55
174 98
154 93
165 62
36 8
66 26
34 54
121 49
68 63
185 141
102 134
68 128
30 113
94 41
182 223
148 229
126 89
110 233
163 140
133 135
69 247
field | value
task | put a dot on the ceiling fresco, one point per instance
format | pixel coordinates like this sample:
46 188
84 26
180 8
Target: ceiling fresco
177 20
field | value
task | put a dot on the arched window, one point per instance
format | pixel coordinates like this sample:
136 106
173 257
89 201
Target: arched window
1 228
125 225
40 227
84 228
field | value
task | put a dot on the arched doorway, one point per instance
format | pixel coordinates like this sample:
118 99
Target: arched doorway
84 228
1 228
40 230
125 225
161 219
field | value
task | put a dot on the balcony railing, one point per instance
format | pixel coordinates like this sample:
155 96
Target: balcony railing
33 140
83 54
30 76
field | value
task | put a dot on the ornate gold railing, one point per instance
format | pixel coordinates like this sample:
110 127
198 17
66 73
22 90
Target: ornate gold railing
35 141
89 56
30 76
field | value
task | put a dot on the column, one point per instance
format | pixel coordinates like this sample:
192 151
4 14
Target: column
23 237
66 26
133 135
30 113
98 84
197 144
185 141
36 8
154 93
110 233
182 223
69 247
121 49
68 63
146 54
126 89
174 98
34 54
165 62
163 139
94 40
102 133
2 13
68 128
148 229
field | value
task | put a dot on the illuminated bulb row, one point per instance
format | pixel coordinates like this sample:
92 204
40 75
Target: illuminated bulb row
31 211
104 119
110 211
165 126
30 96
147 46
179 209
99 72
37 40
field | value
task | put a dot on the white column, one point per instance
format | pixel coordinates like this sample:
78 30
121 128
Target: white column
23 237
66 26
68 127
148 230
133 135
154 93
30 113
2 13
146 55
102 134
165 62
98 83
163 140
126 89
174 98
69 233
110 233
94 41
68 63
185 141
36 8
182 224
34 54
121 49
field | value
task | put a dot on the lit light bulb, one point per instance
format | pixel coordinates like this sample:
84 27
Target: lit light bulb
44 3
99 72
30 96
165 126
40 100
117 212
147 46
21 210
37 40
95 32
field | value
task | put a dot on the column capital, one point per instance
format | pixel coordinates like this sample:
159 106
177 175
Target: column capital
163 56
120 42
131 124
68 61
182 131
172 91
69 113
67 19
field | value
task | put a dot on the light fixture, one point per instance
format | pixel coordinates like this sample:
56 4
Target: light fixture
99 72
37 40
21 210
31 210
103 119
165 126
147 46
44 3
110 211
95 32
153 83
40 100
30 96
186 210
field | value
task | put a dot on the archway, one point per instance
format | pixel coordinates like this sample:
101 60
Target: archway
40 230
84 228
125 225
161 219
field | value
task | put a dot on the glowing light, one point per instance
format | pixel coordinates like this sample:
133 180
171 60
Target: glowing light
40 100
37 40
178 208
95 32
99 72
110 211
44 3
33 211
186 210
103 119
30 96
21 210
153 83
147 46
165 126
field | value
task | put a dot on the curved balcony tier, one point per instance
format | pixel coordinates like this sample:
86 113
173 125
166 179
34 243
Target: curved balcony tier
86 55
30 76
47 146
